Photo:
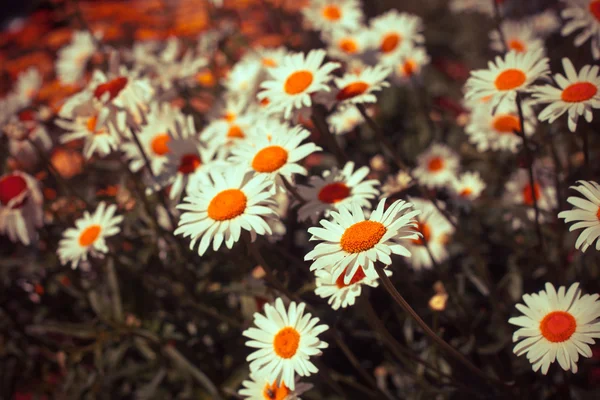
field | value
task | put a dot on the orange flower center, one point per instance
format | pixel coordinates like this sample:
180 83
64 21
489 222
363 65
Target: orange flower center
332 12
189 163
558 326
352 90
595 9
362 236
91 126
579 92
235 132
269 62
227 204
264 102
510 79
298 81
160 144
409 67
334 192
598 213
229 117
11 186
89 235
270 159
286 342
113 87
506 123
424 230
528 193
275 392
348 45
390 42
359 275
516 45
435 164
466 192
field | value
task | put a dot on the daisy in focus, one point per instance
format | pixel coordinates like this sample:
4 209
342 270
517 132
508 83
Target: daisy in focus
587 214
468 186
519 191
506 76
292 83
360 88
583 16
336 188
395 33
333 15
222 205
256 388
518 36
577 94
285 340
436 166
350 242
21 204
89 235
556 326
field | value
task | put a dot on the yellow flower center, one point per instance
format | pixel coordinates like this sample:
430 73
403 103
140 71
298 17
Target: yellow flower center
235 132
275 392
390 42
269 62
528 194
517 45
348 45
435 164
352 90
510 79
91 126
466 192
270 159
298 82
189 163
506 123
332 12
362 236
333 193
89 235
286 342
160 144
424 230
558 326
578 92
227 204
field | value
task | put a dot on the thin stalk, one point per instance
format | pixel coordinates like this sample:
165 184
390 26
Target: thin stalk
498 20
184 364
586 149
115 293
292 190
318 119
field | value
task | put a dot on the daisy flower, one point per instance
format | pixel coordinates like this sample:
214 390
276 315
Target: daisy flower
243 79
72 59
485 7
518 36
518 191
27 86
271 57
545 23
586 212
225 203
360 88
89 235
436 166
506 76
556 326
345 45
21 129
577 94
21 203
330 15
256 388
276 157
468 186
294 81
496 131
345 120
285 339
435 231
396 32
583 16
337 292
336 188
410 64
350 241
231 126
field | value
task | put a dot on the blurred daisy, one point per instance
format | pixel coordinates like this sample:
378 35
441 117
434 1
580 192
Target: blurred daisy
518 36
360 88
285 339
410 64
276 157
435 231
89 235
346 45
271 57
556 326
396 183
583 16
72 59
27 86
587 214
345 120
225 203
485 7
243 79
256 388
337 292
519 191
395 33
336 188
23 128
545 23
229 128
577 94
504 78
21 203
350 241
436 166
330 15
468 186
294 81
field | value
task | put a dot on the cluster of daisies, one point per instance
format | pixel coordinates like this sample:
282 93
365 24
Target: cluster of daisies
228 174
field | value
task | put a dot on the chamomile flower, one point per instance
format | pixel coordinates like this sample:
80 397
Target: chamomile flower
22 129
271 57
276 157
498 132
345 120
577 94
485 7
520 192
285 339
468 186
435 231
518 36
257 388
506 76
336 188
350 241
243 79
294 81
225 203
21 203
89 235
331 15
232 123
410 64
395 33
436 166
27 86
346 45
587 214
556 326
583 16
73 58
338 293
360 88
